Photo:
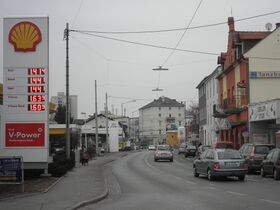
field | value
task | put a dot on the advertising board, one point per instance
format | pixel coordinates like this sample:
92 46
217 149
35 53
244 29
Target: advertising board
11 170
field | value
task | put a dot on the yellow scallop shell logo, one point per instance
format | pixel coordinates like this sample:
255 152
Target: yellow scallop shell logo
25 36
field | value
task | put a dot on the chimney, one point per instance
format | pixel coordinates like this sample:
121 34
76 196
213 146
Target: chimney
277 25
231 24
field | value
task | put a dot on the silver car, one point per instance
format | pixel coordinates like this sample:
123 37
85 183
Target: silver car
163 152
220 163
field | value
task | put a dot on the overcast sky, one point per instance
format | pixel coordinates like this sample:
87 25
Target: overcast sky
124 70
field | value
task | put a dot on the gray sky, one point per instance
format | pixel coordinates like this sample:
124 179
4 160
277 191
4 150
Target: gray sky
124 69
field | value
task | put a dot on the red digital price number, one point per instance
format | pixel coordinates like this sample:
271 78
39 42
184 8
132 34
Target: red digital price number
36 80
37 89
36 107
37 71
36 98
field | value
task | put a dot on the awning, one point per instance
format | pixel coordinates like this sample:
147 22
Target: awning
57 131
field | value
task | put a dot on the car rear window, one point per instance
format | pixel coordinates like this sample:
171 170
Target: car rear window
225 155
262 149
224 146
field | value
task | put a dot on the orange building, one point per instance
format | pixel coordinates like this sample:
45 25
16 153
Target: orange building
232 111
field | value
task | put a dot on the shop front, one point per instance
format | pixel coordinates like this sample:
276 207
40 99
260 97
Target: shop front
264 122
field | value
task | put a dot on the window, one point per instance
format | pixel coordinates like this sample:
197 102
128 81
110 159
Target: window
180 123
169 108
159 108
179 108
169 115
159 122
159 114
179 114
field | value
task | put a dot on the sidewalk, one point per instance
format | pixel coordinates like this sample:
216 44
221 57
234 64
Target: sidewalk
81 186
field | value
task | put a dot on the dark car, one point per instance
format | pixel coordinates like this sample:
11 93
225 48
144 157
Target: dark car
190 150
222 145
271 164
254 154
220 163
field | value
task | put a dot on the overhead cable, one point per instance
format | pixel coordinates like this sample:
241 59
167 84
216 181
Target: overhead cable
176 29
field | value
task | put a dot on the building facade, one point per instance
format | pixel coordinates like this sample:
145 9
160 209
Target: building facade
159 116
60 99
232 110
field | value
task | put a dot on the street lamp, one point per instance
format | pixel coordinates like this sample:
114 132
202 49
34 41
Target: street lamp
126 103
85 119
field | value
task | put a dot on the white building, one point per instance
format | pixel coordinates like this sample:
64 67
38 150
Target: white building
211 98
264 85
60 99
159 115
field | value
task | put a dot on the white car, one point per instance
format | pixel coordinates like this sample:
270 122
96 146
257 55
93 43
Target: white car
151 147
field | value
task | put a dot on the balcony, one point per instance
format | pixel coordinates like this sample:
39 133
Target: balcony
232 106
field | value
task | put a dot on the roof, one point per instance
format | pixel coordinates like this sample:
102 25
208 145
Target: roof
249 35
163 102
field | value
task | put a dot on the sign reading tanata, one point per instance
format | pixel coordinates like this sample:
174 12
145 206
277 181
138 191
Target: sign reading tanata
26 89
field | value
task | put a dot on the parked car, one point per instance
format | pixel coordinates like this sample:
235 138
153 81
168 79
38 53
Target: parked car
163 152
220 163
201 149
151 147
222 145
254 155
181 148
271 164
190 150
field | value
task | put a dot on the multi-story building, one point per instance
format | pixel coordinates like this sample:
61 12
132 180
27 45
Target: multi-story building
159 116
60 99
231 111
264 95
208 96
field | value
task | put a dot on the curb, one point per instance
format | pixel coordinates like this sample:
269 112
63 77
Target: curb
91 201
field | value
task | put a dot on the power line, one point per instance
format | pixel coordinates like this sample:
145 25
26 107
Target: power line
172 52
176 29
74 20
148 45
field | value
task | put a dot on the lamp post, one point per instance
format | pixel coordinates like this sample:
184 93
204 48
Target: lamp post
126 103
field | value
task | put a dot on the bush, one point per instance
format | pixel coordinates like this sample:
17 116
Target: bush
61 164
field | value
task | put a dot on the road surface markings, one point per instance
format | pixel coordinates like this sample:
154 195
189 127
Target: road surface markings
235 193
251 180
270 201
211 188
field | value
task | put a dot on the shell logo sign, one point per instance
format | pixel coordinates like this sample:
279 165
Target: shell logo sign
25 36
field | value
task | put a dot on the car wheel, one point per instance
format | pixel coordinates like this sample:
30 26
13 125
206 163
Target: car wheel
241 178
210 175
276 175
262 172
186 155
195 172
171 160
155 160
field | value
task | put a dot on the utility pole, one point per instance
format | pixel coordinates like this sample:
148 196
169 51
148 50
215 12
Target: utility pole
66 37
106 114
96 120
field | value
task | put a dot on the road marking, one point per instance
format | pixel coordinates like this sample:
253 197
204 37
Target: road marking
252 180
235 193
211 188
269 201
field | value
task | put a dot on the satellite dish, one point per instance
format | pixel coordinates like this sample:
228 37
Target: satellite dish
268 26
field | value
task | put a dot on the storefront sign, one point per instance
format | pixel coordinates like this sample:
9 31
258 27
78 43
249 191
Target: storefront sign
25 135
263 111
264 74
260 138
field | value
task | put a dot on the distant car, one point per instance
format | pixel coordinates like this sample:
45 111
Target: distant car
222 145
254 154
151 147
220 163
271 164
190 150
181 148
201 149
163 152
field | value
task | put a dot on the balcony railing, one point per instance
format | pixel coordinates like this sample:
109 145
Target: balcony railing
229 107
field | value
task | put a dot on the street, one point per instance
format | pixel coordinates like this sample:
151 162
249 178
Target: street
137 182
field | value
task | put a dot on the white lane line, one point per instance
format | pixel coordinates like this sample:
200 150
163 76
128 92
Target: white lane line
251 180
270 201
235 193
167 174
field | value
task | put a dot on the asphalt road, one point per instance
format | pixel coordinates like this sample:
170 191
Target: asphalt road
137 182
